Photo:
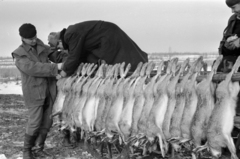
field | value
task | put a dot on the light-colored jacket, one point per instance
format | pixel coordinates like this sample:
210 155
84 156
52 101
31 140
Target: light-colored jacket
37 72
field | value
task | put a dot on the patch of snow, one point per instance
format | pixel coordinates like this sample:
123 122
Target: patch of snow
48 145
13 111
12 87
2 156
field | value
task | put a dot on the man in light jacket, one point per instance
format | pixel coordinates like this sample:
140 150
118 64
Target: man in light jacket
38 75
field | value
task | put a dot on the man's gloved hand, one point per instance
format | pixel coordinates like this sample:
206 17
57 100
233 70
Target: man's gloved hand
59 65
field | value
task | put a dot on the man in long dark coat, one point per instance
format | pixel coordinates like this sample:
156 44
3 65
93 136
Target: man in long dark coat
94 41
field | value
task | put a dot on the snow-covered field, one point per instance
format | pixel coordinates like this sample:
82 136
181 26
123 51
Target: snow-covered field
12 87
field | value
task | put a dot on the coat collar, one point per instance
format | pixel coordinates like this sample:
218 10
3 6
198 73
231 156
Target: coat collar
233 17
229 29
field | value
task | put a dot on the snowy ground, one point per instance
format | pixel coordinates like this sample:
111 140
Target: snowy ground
12 87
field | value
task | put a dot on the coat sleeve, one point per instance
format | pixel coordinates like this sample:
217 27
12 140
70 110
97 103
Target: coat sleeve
222 42
225 33
57 56
76 53
35 69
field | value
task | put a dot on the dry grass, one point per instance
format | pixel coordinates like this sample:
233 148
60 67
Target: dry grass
9 74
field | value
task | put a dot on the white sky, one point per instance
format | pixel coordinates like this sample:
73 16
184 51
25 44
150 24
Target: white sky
155 25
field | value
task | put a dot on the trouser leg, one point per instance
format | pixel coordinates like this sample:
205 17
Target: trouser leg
39 145
27 147
238 105
43 130
32 130
34 120
66 142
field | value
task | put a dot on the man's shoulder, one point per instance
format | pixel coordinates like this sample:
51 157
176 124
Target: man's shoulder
40 42
82 25
233 17
19 50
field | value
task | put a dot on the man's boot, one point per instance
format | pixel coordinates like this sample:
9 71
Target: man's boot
39 146
27 147
67 139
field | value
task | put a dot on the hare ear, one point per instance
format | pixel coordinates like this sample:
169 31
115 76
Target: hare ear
136 73
116 70
143 69
127 69
160 67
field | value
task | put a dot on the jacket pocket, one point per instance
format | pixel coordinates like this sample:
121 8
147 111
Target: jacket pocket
39 89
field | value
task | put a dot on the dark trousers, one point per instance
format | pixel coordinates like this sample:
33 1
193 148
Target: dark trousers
39 118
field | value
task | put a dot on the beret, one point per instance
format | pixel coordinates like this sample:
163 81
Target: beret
27 31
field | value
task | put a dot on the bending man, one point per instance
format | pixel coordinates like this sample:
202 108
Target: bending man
94 41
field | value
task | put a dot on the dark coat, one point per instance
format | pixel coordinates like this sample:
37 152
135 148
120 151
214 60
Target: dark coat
92 41
229 57
228 31
37 73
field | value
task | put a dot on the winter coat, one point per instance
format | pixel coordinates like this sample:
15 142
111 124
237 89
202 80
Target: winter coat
92 41
228 31
37 73
230 57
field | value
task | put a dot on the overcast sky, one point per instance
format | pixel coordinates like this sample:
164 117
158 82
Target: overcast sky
155 25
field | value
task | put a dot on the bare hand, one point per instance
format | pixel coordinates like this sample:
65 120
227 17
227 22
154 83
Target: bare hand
58 77
63 74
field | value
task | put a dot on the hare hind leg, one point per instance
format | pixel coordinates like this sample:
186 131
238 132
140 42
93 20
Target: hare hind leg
231 147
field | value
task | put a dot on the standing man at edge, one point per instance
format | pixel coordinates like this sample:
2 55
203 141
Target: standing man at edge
230 44
230 49
38 77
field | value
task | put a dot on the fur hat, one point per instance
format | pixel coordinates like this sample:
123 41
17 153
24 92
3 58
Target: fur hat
231 3
27 31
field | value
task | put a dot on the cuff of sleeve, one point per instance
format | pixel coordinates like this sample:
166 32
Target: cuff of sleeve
64 69
54 70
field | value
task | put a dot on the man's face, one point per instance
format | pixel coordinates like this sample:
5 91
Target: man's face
236 9
31 41
52 41
60 45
